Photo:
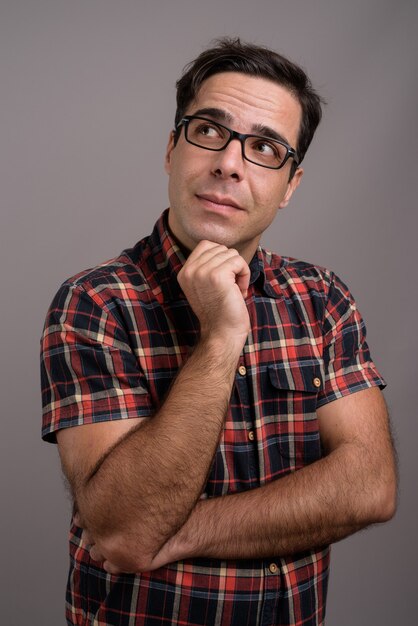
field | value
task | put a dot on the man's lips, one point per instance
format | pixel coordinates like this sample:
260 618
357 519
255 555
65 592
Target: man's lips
221 201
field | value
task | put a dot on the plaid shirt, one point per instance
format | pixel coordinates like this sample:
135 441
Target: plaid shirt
114 339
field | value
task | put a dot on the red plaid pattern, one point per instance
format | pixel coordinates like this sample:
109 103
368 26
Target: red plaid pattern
114 339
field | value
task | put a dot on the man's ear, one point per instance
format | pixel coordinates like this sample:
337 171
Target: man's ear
292 185
169 150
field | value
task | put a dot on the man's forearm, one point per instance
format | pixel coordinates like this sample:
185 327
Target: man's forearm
315 506
144 488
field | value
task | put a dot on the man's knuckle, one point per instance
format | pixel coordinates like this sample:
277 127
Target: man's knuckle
186 274
217 278
199 274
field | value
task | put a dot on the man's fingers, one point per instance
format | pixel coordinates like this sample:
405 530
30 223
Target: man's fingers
95 553
202 247
227 257
216 257
201 257
243 281
110 568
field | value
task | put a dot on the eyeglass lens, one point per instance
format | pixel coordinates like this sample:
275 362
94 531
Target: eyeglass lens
259 150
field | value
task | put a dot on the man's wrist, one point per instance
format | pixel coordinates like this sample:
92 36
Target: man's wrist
220 347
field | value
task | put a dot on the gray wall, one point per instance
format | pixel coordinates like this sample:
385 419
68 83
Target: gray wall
87 101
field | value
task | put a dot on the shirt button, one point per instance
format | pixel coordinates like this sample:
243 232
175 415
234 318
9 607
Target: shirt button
242 370
251 435
317 382
273 568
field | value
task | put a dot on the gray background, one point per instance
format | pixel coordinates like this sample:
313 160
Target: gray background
86 104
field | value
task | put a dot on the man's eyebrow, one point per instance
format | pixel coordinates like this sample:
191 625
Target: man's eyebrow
267 131
219 115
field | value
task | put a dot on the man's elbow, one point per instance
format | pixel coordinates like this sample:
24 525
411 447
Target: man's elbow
388 501
382 506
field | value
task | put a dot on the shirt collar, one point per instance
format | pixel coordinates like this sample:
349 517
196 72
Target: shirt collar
263 276
169 257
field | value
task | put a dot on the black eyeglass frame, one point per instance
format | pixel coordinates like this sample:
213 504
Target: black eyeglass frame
233 134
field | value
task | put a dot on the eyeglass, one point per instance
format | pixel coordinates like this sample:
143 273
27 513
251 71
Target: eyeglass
210 135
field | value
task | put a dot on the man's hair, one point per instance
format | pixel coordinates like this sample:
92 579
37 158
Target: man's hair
232 55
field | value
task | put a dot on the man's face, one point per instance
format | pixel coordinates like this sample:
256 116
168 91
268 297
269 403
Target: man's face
220 196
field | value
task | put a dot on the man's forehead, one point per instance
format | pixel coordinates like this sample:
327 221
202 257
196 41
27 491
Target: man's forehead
253 100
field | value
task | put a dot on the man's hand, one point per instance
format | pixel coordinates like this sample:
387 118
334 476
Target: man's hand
96 554
215 281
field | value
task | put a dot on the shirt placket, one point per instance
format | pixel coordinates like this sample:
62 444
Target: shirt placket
243 393
270 568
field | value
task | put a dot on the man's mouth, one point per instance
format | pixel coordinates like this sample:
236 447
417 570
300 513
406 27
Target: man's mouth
220 201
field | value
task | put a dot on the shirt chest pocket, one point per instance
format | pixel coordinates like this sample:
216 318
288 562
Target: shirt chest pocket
291 420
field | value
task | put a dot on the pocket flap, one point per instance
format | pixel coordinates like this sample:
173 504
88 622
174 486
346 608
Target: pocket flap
300 376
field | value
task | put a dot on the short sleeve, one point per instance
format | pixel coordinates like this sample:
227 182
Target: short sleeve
89 373
347 362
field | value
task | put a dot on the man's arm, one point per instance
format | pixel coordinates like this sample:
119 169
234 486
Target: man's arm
353 486
135 489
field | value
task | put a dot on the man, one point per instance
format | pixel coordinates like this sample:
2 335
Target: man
217 412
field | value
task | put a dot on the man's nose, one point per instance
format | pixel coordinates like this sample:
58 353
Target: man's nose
229 162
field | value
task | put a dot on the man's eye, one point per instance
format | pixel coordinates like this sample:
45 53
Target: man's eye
265 148
207 130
